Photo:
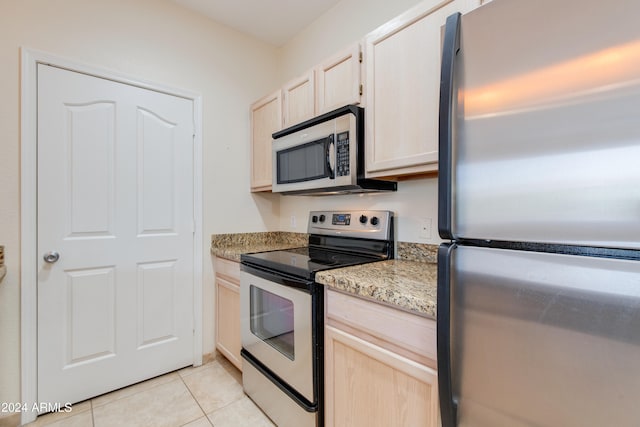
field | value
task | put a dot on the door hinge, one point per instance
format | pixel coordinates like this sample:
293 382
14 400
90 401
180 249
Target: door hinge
361 90
360 56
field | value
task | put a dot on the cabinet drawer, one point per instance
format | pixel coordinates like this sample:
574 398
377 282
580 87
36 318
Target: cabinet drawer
228 269
408 334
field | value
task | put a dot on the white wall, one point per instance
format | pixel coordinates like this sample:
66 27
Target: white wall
157 41
414 201
346 23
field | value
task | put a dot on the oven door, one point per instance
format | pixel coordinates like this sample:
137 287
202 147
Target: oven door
310 161
277 330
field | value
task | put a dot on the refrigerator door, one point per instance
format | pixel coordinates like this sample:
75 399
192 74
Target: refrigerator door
538 339
544 122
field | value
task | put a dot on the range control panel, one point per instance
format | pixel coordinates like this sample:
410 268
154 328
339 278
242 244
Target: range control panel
340 219
364 224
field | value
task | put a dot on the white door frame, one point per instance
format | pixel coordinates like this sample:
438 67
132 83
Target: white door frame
29 215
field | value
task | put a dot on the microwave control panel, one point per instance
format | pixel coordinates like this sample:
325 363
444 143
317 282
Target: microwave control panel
342 154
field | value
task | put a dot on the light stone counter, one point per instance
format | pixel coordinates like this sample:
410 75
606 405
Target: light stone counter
407 285
231 246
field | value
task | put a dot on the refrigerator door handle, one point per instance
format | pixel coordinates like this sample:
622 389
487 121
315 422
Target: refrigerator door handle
450 47
448 407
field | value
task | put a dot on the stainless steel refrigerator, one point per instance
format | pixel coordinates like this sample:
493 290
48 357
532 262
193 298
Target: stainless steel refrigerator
539 198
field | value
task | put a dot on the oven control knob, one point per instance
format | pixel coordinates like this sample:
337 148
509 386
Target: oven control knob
363 219
374 220
314 218
322 218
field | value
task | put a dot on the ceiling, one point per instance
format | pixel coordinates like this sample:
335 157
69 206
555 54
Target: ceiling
272 21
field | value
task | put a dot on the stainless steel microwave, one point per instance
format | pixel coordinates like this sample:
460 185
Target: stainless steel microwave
324 155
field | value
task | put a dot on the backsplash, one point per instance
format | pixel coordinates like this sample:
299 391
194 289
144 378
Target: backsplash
408 251
231 245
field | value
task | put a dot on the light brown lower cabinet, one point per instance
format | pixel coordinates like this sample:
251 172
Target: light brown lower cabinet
228 340
369 385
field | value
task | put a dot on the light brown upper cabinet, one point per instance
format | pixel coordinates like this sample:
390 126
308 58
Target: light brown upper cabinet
299 99
338 80
333 83
266 118
402 86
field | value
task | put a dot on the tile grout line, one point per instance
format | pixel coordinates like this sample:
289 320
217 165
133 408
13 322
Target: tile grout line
206 416
198 403
137 392
93 419
149 389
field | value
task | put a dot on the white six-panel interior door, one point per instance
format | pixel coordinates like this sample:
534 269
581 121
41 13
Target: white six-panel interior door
116 201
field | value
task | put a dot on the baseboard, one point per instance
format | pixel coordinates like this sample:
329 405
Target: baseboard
206 358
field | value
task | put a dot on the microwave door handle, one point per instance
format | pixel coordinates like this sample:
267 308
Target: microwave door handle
331 157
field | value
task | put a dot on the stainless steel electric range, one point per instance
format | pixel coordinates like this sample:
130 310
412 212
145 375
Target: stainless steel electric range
282 311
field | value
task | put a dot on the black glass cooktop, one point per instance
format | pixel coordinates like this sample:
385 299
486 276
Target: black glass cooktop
305 262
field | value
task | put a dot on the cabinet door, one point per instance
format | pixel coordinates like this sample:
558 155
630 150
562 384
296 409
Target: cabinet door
266 118
228 340
402 84
339 80
299 99
366 385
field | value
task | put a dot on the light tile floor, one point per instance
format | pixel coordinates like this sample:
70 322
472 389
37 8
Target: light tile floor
209 395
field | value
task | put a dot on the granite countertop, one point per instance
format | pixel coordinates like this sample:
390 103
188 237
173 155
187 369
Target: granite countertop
407 282
231 246
407 285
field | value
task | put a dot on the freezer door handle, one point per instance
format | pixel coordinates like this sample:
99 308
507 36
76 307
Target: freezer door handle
450 48
448 407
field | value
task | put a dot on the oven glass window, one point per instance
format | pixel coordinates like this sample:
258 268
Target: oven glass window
272 320
303 162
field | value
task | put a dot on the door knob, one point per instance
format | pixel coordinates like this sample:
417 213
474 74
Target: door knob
51 257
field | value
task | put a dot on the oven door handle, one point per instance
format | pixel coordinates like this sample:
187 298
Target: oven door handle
278 277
